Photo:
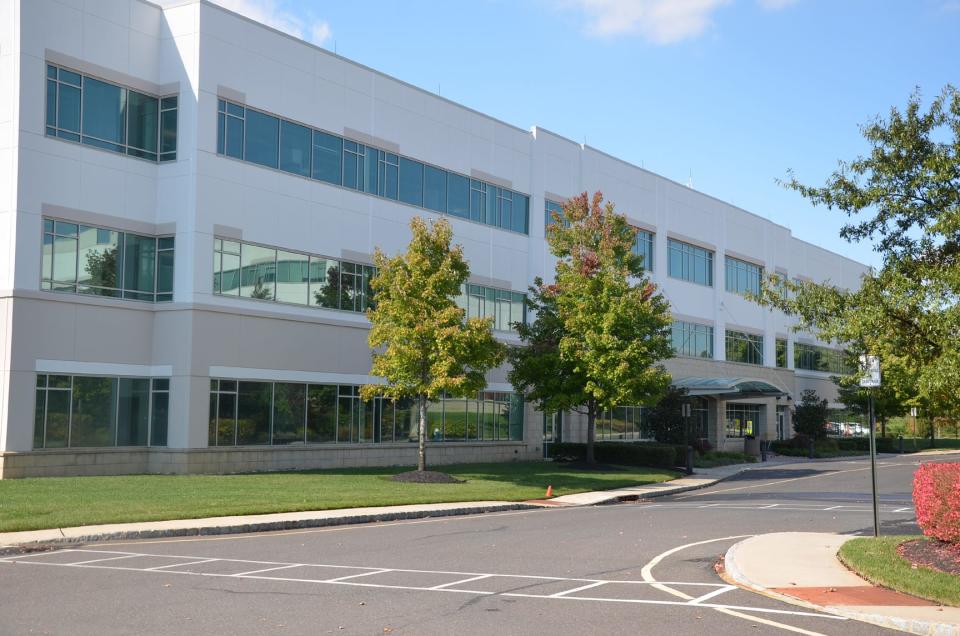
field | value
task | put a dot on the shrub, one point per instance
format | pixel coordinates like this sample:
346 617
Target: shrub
625 453
936 496
702 445
826 445
810 415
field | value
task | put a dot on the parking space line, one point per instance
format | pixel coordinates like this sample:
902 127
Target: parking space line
278 567
177 565
576 589
473 578
114 558
354 576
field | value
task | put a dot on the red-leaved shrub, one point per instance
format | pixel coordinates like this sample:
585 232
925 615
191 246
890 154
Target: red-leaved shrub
936 495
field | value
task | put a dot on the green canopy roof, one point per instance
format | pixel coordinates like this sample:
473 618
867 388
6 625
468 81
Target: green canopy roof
728 387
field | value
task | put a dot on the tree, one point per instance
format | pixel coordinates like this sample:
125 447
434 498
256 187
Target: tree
905 197
423 346
601 328
886 403
666 418
810 417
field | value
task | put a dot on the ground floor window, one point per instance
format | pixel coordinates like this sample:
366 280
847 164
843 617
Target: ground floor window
246 413
96 411
743 420
624 422
698 417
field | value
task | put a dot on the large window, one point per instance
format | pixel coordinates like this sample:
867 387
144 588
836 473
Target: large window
744 347
268 273
83 259
94 411
743 277
643 247
624 422
244 413
811 357
258 137
690 263
781 353
97 113
504 306
743 420
550 209
691 339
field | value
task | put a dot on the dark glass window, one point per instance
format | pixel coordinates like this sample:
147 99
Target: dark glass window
143 117
253 412
289 413
262 139
295 148
327 151
458 195
435 189
411 182
744 347
104 106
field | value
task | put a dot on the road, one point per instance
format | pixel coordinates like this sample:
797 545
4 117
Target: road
637 568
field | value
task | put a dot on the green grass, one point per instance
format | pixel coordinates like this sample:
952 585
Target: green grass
712 459
52 502
877 561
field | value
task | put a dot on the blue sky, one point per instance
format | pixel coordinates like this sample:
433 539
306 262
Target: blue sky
732 93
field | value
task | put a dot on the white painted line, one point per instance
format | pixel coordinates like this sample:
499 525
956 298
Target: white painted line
125 556
576 589
177 565
278 567
353 576
832 508
710 595
474 578
907 509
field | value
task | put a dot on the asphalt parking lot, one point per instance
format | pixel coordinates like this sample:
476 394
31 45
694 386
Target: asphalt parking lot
645 567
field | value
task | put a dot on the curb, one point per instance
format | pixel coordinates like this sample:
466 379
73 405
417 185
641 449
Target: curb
265 526
732 574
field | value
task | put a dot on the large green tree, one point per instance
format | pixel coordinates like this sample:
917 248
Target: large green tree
601 328
422 344
904 197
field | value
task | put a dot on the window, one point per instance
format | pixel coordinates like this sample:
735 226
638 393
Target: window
504 306
94 411
811 357
643 247
743 277
279 413
781 353
690 263
83 259
690 339
257 137
624 423
101 114
550 209
744 347
743 420
267 273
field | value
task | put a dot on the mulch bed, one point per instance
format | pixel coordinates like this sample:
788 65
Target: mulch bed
933 554
426 477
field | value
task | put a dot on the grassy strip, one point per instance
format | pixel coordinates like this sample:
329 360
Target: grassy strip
53 502
877 561
712 459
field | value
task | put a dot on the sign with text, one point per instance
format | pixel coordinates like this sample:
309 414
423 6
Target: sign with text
870 370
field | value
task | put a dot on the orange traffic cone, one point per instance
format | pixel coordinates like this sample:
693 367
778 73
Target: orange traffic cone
549 491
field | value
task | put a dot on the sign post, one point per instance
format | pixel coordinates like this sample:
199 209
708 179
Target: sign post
870 379
685 410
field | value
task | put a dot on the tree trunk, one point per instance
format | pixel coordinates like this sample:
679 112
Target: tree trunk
422 436
883 427
591 431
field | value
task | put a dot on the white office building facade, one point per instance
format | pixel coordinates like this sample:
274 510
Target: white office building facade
189 204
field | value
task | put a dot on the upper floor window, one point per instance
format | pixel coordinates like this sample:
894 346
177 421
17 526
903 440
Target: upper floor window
689 262
811 357
551 208
264 139
744 347
781 353
691 339
643 247
83 259
90 111
504 306
743 277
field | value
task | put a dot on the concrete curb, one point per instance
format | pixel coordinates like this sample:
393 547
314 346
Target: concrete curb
69 536
733 574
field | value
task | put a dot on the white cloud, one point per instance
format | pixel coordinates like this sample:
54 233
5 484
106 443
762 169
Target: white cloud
775 5
659 21
274 14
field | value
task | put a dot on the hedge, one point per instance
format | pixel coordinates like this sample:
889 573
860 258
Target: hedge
936 496
624 453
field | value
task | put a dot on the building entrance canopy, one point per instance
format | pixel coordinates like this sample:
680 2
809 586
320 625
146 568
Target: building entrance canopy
728 388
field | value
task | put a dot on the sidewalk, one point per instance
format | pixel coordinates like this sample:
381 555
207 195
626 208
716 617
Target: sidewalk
316 519
802 568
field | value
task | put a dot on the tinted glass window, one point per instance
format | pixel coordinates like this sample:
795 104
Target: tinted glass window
411 182
458 195
435 189
142 120
326 157
262 139
104 106
295 148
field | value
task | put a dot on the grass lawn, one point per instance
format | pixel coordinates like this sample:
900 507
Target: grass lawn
52 502
877 561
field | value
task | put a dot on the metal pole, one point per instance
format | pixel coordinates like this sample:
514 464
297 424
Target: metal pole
873 468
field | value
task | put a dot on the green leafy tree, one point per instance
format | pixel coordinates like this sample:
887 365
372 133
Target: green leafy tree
886 403
810 417
601 328
666 418
423 346
904 196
